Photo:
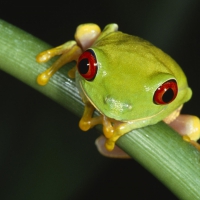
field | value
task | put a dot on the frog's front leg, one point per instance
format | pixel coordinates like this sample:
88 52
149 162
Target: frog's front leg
85 36
70 51
88 121
113 130
188 126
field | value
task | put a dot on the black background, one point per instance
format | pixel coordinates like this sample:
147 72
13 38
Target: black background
43 154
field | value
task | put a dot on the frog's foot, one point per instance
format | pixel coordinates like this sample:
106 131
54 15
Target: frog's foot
110 144
188 126
50 53
85 36
113 130
115 153
110 126
87 121
70 51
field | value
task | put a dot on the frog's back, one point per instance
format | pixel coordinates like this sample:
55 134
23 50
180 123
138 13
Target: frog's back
134 52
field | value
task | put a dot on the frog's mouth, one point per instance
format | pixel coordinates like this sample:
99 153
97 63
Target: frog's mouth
145 119
86 97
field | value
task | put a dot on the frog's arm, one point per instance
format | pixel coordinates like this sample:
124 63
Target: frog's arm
70 51
85 36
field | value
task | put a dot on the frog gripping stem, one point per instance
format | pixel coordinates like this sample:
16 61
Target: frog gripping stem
159 90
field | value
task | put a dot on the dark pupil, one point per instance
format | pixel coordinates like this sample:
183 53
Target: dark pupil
168 95
83 66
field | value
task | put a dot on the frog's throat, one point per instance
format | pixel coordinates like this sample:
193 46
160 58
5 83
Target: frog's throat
128 121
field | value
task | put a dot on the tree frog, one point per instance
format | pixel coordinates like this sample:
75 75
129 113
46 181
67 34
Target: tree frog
129 81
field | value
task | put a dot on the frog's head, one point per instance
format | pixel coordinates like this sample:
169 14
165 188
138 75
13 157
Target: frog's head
127 78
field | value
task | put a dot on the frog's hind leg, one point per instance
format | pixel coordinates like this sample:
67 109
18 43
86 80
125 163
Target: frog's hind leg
188 127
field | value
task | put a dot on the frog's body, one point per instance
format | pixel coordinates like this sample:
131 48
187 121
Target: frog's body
127 79
124 77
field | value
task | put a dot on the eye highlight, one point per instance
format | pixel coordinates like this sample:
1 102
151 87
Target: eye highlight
87 65
166 93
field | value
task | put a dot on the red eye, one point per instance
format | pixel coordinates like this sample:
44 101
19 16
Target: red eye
87 65
166 93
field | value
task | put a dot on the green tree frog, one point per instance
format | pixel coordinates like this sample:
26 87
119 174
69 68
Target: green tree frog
129 81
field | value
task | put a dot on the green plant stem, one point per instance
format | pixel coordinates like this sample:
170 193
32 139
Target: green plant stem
158 148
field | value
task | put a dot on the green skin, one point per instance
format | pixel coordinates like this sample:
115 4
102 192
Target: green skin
130 70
